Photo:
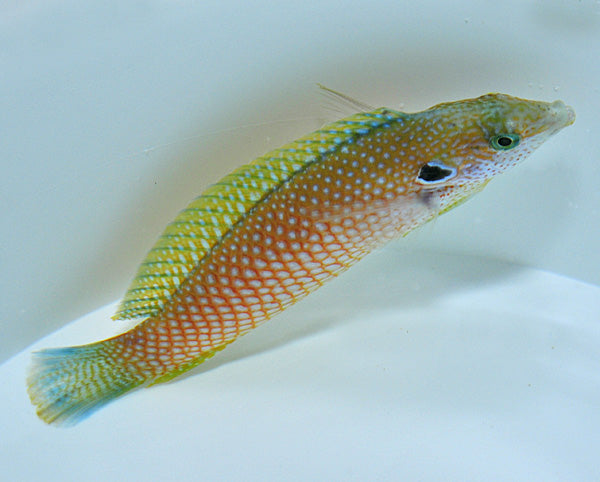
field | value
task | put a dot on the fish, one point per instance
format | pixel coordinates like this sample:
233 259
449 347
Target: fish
276 229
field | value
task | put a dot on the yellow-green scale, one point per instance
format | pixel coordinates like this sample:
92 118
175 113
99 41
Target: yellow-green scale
211 216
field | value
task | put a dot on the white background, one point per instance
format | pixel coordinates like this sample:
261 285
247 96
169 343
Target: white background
114 115
435 368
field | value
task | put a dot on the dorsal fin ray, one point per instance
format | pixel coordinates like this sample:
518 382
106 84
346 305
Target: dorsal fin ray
199 227
345 99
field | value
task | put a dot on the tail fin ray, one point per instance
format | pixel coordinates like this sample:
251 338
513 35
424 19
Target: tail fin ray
68 384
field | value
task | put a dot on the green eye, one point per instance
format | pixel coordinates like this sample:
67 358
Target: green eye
504 142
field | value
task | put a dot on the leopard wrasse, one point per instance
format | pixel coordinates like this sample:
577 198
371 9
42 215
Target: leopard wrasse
276 229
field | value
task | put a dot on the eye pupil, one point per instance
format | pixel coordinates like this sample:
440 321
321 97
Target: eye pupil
433 172
504 141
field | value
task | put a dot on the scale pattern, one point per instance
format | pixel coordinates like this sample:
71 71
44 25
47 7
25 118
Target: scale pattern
198 228
284 249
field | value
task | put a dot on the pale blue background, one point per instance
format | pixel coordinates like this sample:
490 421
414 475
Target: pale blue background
92 90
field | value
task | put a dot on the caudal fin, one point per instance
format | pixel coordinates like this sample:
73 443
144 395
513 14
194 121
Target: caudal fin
68 384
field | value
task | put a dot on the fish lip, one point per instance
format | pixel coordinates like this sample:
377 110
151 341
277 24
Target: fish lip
571 115
563 115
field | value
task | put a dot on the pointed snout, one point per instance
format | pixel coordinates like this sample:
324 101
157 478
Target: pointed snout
562 115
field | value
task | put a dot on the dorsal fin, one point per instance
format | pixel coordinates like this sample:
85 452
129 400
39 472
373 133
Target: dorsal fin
199 227
344 99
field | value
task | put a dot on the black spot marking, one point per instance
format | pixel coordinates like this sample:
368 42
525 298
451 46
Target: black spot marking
431 173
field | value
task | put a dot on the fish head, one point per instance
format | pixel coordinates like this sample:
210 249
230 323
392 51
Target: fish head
477 139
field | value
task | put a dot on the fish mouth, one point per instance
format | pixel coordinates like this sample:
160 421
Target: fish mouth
561 115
